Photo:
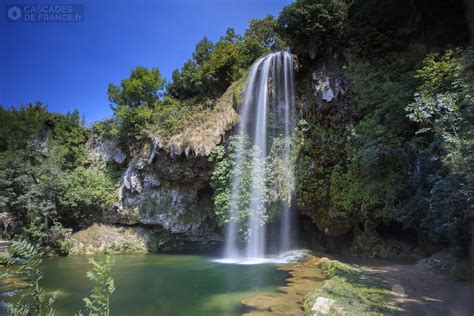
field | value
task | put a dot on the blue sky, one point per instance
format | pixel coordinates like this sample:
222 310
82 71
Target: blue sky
69 65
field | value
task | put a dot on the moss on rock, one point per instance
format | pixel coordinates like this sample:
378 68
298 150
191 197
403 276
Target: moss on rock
100 238
355 291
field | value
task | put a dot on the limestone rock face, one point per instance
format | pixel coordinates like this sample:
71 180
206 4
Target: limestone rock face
106 150
323 84
165 187
327 99
168 195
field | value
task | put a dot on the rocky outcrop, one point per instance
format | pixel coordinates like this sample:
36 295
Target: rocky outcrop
206 130
170 195
323 82
165 188
100 238
105 150
325 100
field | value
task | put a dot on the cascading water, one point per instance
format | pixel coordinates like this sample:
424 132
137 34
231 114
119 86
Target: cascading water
270 87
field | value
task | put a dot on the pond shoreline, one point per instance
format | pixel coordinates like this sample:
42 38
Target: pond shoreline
370 287
289 300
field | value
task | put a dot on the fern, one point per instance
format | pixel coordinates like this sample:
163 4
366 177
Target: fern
23 260
98 303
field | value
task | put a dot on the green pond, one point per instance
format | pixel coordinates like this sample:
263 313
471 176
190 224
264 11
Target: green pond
165 284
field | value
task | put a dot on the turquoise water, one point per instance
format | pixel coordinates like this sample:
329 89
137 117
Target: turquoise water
163 284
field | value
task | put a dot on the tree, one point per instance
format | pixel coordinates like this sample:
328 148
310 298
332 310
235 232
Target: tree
264 31
45 178
310 26
187 82
203 51
214 67
134 101
142 88
444 110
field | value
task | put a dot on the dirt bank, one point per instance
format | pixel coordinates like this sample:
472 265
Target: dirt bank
413 289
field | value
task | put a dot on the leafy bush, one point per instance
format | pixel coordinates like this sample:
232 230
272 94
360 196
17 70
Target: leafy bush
44 181
310 26
215 66
23 260
140 89
228 165
444 109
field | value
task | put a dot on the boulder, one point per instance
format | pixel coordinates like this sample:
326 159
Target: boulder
100 238
323 306
295 256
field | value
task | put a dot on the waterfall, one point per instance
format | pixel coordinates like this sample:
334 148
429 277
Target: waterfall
270 90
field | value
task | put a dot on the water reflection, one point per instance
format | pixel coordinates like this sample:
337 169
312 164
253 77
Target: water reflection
164 284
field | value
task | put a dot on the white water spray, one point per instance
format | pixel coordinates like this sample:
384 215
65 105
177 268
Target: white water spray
270 84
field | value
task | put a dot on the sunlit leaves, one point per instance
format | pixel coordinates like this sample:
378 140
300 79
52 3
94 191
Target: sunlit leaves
23 260
243 179
98 303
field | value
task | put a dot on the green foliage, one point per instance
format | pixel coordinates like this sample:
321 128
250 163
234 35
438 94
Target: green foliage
84 191
328 182
358 164
168 115
444 109
174 114
264 33
221 178
215 66
357 292
376 28
139 110
140 89
402 152
134 101
105 129
98 303
203 51
229 165
45 182
437 99
279 171
187 82
23 260
133 122
383 154
310 26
